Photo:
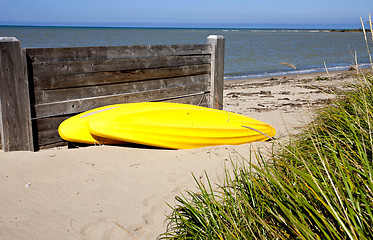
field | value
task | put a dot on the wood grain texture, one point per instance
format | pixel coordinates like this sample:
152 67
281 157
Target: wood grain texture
107 65
217 70
80 105
112 52
48 130
57 95
15 116
112 77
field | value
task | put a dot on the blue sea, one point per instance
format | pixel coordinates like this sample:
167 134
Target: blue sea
249 53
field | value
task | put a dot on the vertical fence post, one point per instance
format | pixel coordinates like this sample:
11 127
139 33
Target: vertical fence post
217 70
15 114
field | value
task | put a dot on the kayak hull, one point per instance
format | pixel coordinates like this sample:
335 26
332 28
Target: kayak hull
166 125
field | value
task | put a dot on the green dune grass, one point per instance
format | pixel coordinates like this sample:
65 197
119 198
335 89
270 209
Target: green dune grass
318 186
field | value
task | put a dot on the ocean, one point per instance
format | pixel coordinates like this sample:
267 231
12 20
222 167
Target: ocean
249 53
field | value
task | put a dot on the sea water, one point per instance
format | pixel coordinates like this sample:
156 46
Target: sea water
248 52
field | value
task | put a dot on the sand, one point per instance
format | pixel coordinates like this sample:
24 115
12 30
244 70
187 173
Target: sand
111 192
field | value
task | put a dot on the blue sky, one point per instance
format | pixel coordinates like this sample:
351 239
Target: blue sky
188 13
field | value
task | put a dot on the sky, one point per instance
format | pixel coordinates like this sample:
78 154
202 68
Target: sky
186 13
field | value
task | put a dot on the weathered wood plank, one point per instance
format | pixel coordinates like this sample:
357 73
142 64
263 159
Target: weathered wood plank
80 105
48 129
217 70
92 53
199 99
56 95
104 65
15 116
49 137
101 78
51 123
54 145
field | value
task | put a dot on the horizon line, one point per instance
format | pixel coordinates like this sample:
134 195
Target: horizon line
280 26
203 25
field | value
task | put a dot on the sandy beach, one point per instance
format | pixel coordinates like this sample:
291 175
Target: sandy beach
111 192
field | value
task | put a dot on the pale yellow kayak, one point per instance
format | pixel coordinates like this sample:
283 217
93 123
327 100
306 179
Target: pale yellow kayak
166 125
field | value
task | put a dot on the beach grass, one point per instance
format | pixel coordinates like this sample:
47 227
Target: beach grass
317 186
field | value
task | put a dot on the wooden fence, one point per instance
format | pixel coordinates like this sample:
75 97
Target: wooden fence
41 87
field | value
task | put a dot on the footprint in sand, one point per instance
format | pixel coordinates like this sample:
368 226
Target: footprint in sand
104 229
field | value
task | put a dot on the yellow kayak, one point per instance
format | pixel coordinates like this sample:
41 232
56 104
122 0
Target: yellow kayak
75 129
167 125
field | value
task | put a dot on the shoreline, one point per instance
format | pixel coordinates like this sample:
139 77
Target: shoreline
307 75
297 72
114 192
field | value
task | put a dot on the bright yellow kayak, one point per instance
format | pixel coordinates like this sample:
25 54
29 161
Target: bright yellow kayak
75 129
166 125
